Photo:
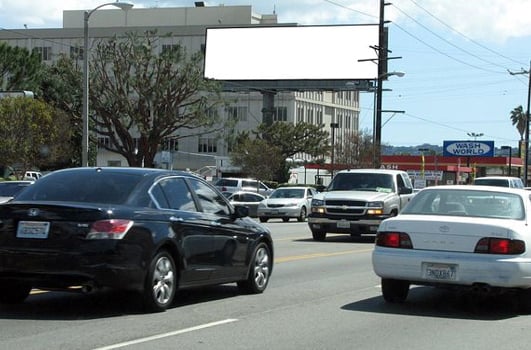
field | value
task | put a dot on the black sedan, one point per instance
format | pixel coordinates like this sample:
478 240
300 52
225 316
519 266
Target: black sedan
148 230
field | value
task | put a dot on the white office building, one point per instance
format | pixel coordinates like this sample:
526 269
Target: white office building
188 26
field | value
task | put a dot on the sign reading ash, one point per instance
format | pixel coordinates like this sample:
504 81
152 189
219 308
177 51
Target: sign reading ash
468 148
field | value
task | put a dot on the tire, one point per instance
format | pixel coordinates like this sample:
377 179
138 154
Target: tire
318 235
161 283
524 301
394 291
285 219
259 271
302 215
12 292
263 219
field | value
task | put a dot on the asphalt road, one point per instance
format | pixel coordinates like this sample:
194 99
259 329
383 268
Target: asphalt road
322 295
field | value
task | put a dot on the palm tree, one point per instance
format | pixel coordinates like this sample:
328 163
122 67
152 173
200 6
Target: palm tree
519 118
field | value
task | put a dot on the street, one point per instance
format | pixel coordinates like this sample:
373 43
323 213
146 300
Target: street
322 295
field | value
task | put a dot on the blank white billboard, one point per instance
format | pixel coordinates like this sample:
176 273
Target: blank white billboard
292 53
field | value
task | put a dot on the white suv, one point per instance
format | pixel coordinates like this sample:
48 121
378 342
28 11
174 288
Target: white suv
32 175
503 181
235 184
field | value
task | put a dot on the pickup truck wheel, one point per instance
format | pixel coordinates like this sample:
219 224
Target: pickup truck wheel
319 235
394 291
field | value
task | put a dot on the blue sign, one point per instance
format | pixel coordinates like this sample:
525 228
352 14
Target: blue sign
468 148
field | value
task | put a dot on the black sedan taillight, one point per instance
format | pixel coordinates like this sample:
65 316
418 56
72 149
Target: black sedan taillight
491 245
394 240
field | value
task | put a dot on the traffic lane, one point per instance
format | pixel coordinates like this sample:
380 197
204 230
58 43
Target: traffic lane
91 316
313 293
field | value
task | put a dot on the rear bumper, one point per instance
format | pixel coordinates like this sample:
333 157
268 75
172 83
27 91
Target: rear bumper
115 269
470 269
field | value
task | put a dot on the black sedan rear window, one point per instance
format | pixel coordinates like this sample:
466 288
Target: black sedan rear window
90 187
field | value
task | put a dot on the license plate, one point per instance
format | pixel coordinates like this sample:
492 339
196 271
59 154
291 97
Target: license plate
33 229
343 224
440 272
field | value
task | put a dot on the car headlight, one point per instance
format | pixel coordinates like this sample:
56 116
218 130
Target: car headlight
317 202
375 208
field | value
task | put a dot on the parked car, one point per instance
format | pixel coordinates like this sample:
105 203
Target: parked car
504 181
9 189
470 238
235 184
248 199
286 203
148 230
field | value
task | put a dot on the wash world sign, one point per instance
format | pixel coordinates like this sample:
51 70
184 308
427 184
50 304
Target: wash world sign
468 148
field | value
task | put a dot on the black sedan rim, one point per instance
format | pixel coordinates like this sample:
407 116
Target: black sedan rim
163 280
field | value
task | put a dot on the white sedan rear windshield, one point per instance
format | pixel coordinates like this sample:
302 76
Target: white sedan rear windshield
485 204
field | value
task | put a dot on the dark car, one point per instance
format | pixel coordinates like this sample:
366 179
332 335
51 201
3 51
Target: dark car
148 230
9 189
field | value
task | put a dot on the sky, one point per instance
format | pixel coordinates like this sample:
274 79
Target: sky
466 63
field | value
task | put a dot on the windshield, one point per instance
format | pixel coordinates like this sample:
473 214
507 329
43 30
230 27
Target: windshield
362 182
107 187
486 204
288 193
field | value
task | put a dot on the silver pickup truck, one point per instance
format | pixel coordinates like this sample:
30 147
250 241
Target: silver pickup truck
356 201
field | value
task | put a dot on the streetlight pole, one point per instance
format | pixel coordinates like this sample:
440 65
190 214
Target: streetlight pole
85 112
333 126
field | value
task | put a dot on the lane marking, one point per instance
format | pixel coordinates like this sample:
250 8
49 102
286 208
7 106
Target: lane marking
166 335
318 255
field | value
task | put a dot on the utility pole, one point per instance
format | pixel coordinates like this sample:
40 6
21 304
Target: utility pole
382 64
526 137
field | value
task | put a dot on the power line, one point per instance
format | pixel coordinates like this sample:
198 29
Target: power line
463 35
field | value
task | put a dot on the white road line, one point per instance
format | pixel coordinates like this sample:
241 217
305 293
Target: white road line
165 335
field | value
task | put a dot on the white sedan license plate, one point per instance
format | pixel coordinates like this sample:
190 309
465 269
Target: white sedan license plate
33 229
343 224
440 272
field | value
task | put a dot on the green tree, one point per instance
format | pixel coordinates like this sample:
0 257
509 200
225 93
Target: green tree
277 142
19 69
140 97
254 161
30 134
62 89
519 118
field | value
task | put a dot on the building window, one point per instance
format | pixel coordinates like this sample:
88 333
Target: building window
76 53
207 145
170 144
104 141
310 116
45 52
300 114
319 117
281 114
169 48
237 113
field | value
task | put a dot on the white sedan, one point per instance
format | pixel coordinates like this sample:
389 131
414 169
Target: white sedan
475 238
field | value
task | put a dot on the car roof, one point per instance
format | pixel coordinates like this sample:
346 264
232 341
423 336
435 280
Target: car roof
497 177
372 171
520 191
129 170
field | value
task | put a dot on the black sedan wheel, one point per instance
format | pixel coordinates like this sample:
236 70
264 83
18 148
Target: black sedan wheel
13 292
161 283
260 269
394 291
